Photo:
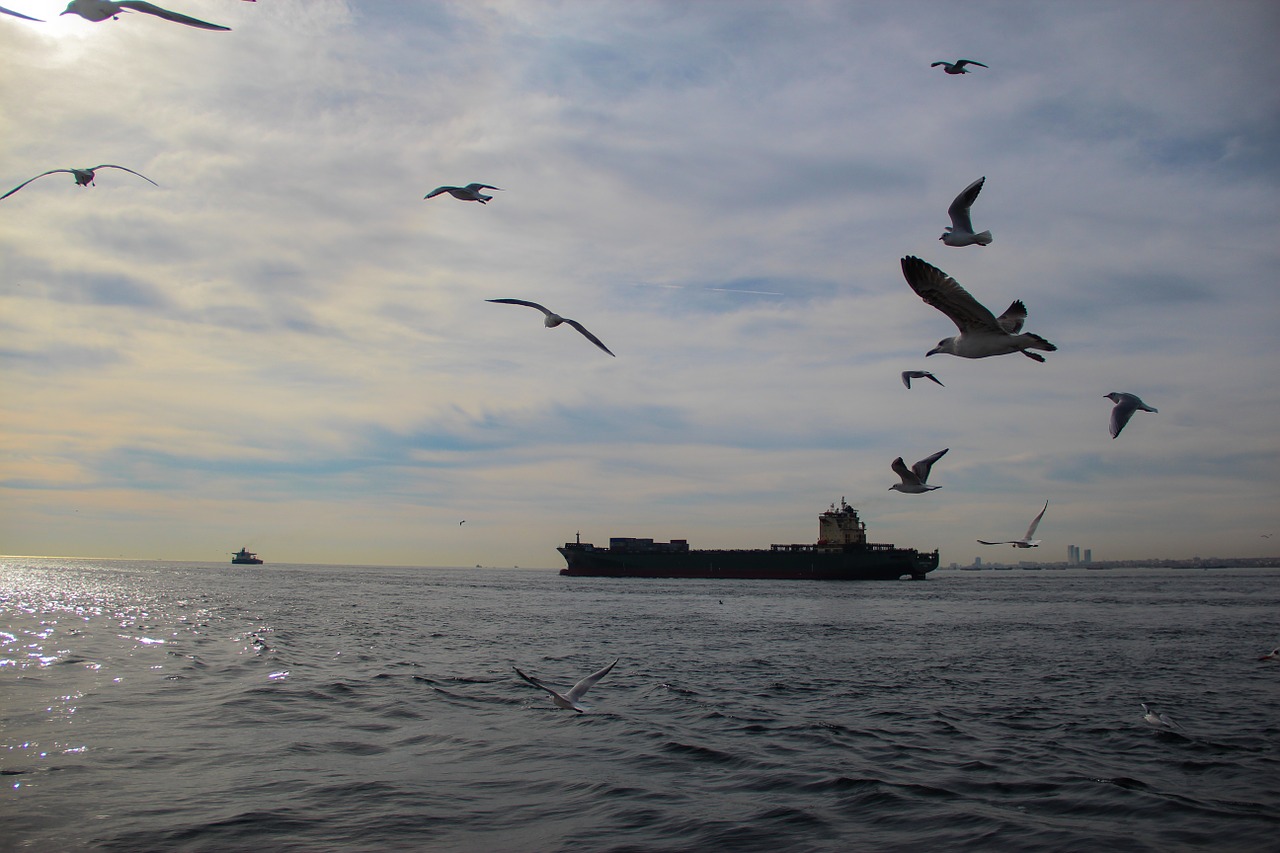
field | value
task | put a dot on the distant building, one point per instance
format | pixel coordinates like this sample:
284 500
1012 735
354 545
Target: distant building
1088 555
977 562
1073 555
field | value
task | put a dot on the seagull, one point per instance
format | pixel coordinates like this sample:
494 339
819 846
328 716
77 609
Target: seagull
552 320
960 231
1160 721
913 478
100 10
908 375
84 177
1274 654
1126 405
957 67
471 192
569 701
20 15
981 333
1025 541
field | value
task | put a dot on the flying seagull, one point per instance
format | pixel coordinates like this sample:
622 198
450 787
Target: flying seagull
552 320
1160 721
914 478
957 67
1126 405
471 192
960 231
20 15
84 177
908 375
100 10
981 333
569 701
1025 541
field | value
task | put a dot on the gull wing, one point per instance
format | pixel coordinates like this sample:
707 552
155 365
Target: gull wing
1013 317
900 468
544 311
536 683
439 191
1002 542
906 378
945 293
1119 417
153 9
939 62
588 336
123 169
37 177
477 187
930 376
1031 531
922 468
20 15
963 62
580 689
959 209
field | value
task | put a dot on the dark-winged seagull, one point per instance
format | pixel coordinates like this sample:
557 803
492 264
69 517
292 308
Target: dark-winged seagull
960 231
915 478
1025 541
1125 406
20 15
471 192
84 177
957 67
908 375
981 333
569 700
552 319
101 10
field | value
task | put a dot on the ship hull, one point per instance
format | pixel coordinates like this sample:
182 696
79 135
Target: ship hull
815 564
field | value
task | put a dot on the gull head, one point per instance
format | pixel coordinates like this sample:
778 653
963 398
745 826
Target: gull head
946 232
946 345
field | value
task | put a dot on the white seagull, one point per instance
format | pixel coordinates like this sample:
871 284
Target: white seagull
1160 721
569 701
84 177
981 333
20 15
100 10
471 192
957 67
552 319
914 478
1025 541
1274 654
1126 405
960 231
908 375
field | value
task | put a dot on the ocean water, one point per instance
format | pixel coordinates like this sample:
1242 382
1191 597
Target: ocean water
180 706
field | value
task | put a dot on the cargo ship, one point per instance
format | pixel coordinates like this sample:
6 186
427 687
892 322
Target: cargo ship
245 557
842 552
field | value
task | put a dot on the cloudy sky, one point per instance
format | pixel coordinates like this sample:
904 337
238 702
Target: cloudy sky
285 346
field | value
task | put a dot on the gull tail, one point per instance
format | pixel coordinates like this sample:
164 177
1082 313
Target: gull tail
982 239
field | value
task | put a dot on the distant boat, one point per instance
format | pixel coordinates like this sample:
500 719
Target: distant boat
246 557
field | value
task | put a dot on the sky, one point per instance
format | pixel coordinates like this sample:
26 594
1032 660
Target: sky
284 346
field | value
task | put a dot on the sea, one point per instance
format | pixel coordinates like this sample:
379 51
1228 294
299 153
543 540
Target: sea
173 706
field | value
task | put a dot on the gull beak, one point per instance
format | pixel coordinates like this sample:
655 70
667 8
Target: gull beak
933 351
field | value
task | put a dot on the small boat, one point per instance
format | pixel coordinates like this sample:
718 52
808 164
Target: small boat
245 557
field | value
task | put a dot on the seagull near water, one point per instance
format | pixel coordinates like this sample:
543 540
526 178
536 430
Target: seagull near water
1026 541
1274 654
569 700
982 334
552 319
957 67
471 192
84 177
1156 720
101 10
908 375
914 479
960 231
1125 406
